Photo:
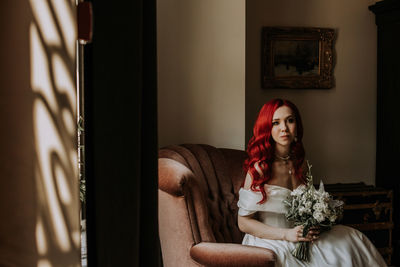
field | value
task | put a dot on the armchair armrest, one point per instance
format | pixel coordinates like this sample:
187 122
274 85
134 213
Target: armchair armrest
173 176
229 254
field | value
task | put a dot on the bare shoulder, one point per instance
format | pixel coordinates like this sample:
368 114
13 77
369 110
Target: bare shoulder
248 181
259 166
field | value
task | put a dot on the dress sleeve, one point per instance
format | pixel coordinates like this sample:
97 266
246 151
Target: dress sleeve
248 202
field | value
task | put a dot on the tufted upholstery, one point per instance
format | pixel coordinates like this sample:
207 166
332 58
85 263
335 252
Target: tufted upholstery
198 192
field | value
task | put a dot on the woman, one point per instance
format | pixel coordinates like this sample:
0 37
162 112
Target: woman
275 166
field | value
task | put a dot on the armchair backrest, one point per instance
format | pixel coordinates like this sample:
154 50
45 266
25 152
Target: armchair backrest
198 194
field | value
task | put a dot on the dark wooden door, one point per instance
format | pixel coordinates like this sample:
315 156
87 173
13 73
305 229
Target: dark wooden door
388 105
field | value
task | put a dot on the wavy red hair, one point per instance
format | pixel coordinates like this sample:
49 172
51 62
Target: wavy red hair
261 147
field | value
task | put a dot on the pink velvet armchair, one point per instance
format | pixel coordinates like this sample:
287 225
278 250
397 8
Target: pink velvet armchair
198 192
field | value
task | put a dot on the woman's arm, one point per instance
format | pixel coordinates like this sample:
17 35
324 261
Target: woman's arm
249 224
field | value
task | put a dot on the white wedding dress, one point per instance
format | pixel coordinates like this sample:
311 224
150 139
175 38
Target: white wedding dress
341 246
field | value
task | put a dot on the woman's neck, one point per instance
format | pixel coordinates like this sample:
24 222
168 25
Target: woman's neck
282 151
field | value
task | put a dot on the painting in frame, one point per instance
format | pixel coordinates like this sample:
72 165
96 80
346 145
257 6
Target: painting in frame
295 57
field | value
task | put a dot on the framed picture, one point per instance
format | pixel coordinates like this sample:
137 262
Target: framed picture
294 57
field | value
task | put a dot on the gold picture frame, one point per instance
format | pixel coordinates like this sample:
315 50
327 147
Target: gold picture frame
297 57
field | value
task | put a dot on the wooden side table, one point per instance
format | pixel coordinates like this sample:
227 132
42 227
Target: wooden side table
370 210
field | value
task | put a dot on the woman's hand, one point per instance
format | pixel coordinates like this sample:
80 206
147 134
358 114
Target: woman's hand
296 234
313 234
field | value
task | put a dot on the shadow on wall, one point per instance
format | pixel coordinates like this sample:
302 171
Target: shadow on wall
52 36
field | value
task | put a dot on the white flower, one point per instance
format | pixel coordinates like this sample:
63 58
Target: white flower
321 187
335 203
302 210
332 218
318 207
298 191
318 216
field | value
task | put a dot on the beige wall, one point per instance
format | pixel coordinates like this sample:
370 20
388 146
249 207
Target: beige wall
17 184
201 72
39 201
340 123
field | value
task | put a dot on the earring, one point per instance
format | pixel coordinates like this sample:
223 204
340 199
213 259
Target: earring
295 139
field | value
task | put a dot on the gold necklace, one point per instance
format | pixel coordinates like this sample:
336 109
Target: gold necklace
286 160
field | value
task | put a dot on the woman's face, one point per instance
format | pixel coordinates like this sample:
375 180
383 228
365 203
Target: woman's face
284 127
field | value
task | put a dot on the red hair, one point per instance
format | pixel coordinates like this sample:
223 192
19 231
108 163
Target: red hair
261 147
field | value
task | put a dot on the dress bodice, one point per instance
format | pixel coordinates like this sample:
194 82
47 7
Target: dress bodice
272 211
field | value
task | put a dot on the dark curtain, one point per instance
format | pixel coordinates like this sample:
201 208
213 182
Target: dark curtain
121 135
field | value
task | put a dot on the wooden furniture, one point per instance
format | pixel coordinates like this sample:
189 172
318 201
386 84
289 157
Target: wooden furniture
370 210
387 15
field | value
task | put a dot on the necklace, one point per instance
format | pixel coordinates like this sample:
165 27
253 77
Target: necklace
286 160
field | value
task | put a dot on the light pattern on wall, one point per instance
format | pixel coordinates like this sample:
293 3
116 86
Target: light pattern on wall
52 49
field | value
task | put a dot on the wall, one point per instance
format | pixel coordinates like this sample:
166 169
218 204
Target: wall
340 123
201 72
17 184
39 197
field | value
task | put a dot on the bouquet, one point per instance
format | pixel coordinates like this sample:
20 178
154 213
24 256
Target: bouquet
313 209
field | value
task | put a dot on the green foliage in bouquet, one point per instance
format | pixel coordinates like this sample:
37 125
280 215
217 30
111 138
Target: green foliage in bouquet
311 208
